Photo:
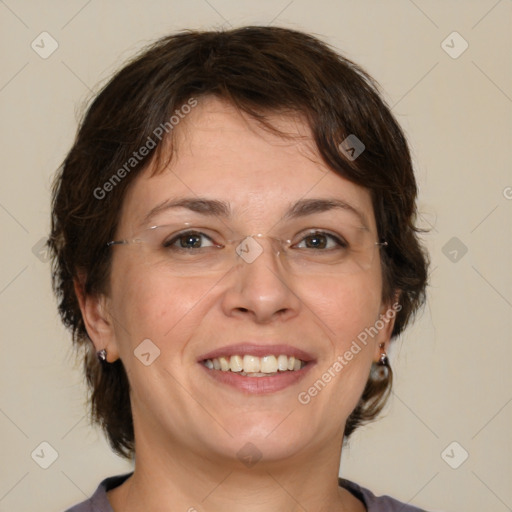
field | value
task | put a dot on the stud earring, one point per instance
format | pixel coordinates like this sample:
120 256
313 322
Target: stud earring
102 355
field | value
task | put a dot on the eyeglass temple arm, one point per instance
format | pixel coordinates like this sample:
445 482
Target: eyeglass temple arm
117 242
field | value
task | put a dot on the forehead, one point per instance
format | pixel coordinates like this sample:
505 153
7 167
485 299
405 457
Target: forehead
222 154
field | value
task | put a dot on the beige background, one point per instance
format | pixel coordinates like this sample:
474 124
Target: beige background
453 367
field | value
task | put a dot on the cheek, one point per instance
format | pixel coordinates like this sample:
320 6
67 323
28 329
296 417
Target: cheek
356 309
351 305
147 303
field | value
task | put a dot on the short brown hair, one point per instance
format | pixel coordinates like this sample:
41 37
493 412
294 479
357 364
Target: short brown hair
260 70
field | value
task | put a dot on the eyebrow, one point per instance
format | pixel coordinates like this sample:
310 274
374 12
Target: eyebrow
214 207
305 207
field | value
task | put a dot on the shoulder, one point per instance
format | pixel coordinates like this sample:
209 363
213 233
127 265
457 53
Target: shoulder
376 503
98 502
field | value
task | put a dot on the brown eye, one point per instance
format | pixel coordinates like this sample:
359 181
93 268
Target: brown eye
321 240
188 240
316 242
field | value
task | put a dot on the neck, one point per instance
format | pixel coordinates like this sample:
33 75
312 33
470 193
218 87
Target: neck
179 479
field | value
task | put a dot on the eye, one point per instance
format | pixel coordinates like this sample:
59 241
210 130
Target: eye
188 240
321 240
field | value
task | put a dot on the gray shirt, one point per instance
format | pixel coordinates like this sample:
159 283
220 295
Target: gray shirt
98 502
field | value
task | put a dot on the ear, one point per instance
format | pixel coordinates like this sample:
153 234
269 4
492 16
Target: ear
386 322
98 322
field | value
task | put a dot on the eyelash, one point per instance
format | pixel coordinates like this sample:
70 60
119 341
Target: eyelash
169 244
339 241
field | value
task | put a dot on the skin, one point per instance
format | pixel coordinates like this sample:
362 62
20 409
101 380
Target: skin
189 427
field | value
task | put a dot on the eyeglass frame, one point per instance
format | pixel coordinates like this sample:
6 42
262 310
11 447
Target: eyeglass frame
282 242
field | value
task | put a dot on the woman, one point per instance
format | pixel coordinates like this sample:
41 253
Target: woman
234 250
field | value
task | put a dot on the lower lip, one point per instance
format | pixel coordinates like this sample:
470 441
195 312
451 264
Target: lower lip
259 385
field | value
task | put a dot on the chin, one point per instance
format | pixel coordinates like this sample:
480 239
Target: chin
269 440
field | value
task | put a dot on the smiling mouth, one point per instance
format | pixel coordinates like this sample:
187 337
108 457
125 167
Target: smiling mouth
254 366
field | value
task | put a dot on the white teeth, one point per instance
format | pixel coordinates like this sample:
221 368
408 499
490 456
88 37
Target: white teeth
282 363
224 364
253 366
235 364
268 364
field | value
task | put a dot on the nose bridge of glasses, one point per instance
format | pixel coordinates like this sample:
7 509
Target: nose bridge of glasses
251 247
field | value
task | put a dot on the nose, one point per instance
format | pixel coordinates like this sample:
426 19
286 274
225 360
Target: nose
259 287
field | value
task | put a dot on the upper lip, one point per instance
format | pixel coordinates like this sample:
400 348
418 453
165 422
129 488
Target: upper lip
259 350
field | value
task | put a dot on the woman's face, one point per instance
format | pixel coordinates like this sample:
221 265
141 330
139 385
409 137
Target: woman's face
265 305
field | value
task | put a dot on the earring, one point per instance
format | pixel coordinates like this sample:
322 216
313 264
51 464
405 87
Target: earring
383 361
381 370
101 355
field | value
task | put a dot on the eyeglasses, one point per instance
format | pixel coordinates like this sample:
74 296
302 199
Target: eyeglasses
193 251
